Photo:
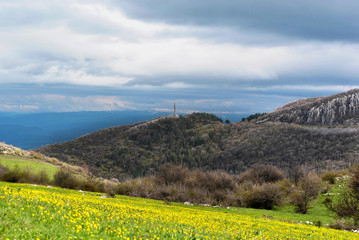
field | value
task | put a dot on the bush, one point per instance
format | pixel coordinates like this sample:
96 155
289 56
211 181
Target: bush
354 181
308 189
260 173
212 181
18 175
88 185
264 196
173 183
43 178
330 176
65 179
2 170
123 189
286 186
15 175
169 173
342 224
346 204
296 173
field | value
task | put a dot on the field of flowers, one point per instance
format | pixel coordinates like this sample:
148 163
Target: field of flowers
40 212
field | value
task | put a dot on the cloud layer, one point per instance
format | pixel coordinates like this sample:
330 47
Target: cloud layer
238 52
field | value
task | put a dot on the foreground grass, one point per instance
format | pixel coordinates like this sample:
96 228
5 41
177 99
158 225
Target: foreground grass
30 212
35 165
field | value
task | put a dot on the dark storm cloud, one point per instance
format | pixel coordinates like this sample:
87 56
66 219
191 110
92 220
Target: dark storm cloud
325 20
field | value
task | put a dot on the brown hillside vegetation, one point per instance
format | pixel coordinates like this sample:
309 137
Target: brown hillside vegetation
202 141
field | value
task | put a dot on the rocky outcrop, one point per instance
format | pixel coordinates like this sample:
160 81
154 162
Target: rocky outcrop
340 109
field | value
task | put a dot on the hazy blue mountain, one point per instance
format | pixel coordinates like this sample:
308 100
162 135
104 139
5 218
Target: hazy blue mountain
33 130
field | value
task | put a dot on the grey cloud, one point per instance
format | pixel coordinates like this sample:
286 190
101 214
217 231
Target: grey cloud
60 98
208 82
306 19
81 46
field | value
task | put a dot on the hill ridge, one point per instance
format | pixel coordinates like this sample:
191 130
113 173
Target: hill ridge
148 122
338 109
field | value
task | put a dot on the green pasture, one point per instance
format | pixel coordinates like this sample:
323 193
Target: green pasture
40 212
32 165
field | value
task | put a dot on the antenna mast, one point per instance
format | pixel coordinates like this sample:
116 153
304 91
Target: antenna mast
174 106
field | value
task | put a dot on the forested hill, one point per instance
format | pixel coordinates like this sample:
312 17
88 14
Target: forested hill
139 149
202 140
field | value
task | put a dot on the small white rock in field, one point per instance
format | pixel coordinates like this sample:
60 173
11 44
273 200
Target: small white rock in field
205 205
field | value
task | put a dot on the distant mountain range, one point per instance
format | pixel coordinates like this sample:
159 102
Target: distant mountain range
317 133
33 130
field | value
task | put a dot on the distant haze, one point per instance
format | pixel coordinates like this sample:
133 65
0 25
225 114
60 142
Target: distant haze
33 130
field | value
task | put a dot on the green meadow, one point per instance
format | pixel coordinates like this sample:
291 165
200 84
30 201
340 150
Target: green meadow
40 212
34 165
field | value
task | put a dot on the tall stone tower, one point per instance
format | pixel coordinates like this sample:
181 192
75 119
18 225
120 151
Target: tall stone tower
174 108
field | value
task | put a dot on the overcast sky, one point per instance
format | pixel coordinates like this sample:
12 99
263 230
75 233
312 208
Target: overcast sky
207 55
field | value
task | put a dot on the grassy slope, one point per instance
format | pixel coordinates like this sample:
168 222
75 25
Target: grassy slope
28 212
34 165
286 213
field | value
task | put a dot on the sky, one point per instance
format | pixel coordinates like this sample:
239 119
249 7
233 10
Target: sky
219 56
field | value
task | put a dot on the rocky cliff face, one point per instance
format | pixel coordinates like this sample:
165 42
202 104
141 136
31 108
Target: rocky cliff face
340 109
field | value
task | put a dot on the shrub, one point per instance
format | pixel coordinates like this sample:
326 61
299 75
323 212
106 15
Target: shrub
212 181
169 173
65 179
43 178
110 187
296 173
346 204
264 196
261 173
286 186
342 224
330 176
15 175
2 170
354 180
123 189
307 190
18 175
89 185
